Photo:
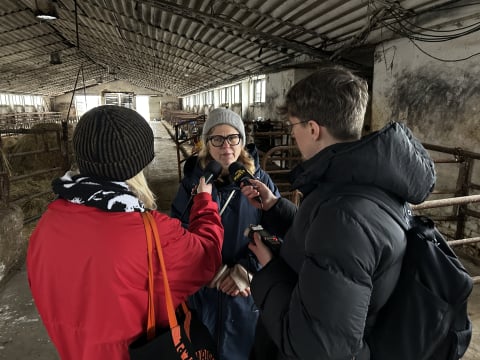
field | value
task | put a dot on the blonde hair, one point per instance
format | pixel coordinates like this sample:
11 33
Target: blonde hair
204 157
138 185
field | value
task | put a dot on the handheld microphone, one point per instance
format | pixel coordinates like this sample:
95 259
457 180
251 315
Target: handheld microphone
240 175
211 173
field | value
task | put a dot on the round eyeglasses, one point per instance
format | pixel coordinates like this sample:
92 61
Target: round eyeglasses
219 140
289 126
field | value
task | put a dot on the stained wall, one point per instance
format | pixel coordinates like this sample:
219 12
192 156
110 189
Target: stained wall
434 88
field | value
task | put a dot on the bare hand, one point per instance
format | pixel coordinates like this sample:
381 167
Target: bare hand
258 188
261 251
203 187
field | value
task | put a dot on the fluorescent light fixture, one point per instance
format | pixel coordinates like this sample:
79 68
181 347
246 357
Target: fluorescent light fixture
45 10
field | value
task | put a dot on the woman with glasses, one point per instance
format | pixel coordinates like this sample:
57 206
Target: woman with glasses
225 305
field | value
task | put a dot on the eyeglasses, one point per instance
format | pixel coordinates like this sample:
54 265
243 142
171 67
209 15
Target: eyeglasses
219 140
289 126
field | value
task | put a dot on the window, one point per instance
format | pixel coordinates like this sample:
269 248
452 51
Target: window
84 103
259 90
224 98
209 98
236 95
32 100
142 106
120 99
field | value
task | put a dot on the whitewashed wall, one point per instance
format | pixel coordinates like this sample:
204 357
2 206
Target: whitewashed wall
438 100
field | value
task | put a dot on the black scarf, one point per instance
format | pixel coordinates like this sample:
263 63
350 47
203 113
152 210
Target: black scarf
113 196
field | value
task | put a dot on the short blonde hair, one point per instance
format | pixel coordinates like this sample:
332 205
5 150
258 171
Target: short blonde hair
139 186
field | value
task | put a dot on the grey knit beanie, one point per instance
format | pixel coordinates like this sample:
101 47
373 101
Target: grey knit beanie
220 116
112 143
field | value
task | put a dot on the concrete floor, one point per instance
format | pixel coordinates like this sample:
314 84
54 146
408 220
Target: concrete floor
22 335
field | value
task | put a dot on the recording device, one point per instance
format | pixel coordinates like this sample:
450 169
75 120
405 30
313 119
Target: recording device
211 173
240 175
271 241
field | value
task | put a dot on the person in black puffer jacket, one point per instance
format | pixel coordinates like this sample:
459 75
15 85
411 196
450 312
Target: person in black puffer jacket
225 305
342 253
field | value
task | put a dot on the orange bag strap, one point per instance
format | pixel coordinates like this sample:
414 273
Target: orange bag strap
151 228
151 306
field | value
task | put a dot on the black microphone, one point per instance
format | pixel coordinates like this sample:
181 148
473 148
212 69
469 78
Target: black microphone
211 173
240 175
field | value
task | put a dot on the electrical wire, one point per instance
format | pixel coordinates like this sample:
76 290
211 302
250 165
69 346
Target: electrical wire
440 59
399 23
445 35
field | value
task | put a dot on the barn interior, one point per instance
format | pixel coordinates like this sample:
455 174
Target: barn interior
174 61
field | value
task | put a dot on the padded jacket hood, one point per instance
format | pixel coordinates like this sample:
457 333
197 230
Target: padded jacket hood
391 159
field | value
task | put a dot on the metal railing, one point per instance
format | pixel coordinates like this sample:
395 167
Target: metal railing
461 200
14 175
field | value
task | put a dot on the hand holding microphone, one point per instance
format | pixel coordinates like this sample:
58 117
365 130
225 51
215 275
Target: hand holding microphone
257 192
203 186
211 173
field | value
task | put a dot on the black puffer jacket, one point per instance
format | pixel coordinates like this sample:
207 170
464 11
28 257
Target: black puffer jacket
342 254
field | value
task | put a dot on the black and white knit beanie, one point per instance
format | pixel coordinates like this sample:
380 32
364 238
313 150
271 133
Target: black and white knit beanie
220 116
112 143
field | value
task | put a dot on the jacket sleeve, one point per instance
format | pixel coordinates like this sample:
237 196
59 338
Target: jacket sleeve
193 254
321 313
279 218
183 201
267 180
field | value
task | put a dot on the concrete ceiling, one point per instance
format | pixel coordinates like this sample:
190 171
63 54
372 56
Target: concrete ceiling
180 47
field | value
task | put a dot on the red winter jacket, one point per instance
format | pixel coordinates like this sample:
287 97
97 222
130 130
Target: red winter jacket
88 273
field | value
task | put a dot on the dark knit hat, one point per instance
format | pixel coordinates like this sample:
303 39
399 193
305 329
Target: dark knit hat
113 143
220 116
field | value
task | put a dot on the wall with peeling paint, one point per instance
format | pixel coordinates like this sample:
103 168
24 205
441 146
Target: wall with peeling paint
436 95
438 100
277 86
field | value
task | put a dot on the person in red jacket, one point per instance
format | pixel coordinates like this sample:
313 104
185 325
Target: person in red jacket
87 257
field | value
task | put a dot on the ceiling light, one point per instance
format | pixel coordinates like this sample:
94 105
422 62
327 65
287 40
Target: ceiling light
45 10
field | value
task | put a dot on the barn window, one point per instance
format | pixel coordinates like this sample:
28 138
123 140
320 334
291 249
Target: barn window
259 86
120 99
